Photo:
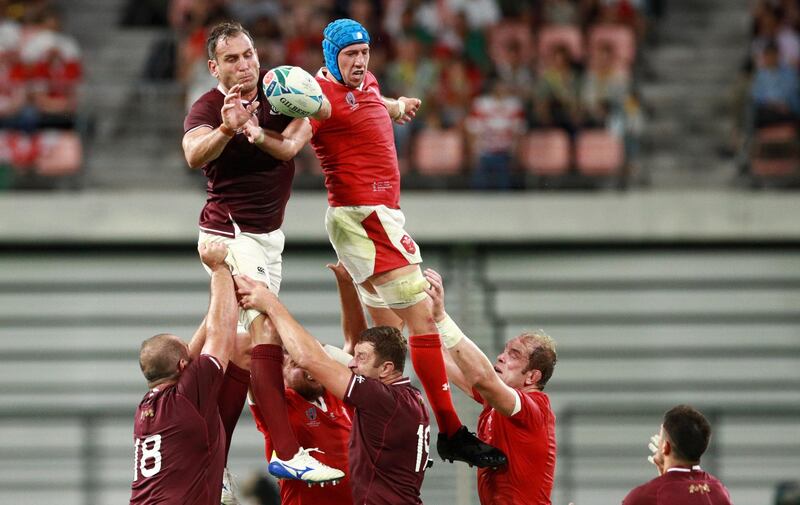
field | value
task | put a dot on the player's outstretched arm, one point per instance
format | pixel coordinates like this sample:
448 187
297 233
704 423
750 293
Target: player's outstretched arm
304 349
476 369
222 309
354 322
403 109
324 111
198 340
283 146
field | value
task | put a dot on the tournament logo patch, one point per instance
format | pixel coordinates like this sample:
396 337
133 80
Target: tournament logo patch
350 98
408 244
311 414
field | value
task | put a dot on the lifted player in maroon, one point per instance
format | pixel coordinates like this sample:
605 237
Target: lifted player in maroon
677 449
178 436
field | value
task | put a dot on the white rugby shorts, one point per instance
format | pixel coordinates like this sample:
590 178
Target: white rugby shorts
257 255
370 240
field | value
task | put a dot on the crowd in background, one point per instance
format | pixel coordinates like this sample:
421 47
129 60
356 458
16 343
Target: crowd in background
490 70
40 75
766 94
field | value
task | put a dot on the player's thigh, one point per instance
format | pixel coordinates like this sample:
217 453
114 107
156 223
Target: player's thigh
254 255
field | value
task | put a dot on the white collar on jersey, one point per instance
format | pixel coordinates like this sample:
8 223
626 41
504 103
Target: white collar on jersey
695 468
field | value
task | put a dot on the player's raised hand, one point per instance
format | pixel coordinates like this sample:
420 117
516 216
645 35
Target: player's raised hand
234 113
656 457
253 294
253 132
341 273
213 254
411 106
435 290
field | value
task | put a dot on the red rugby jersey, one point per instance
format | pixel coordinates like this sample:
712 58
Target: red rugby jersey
355 146
324 425
179 440
529 440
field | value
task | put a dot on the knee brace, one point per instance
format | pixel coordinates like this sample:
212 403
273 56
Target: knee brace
404 291
371 299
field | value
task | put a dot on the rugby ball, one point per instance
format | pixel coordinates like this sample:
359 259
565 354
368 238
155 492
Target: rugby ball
292 91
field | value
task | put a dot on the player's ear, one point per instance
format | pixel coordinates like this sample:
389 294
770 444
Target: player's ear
532 377
212 67
387 367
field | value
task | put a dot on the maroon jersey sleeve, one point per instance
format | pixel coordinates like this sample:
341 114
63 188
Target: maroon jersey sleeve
639 496
200 382
204 112
370 393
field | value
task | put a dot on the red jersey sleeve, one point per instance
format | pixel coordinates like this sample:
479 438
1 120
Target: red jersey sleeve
531 413
200 382
203 113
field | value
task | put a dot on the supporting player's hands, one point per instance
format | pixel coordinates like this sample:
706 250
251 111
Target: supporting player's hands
254 294
435 290
341 273
213 254
234 114
411 107
656 457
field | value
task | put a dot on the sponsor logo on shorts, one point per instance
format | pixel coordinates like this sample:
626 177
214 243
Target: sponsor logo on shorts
408 244
261 270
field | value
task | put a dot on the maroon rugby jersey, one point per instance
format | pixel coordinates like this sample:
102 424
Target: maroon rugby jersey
179 440
245 185
390 441
680 486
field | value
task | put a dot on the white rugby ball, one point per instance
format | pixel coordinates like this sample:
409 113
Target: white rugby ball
292 91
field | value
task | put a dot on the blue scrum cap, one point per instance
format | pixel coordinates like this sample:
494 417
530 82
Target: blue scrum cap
338 35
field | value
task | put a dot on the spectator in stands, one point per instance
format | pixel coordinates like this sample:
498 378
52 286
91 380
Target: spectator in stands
771 30
775 90
14 112
677 449
516 415
515 71
557 102
495 125
605 87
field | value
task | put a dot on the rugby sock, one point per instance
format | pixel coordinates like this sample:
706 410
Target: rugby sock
266 370
426 356
232 395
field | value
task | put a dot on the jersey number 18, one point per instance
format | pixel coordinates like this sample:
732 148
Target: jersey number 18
150 462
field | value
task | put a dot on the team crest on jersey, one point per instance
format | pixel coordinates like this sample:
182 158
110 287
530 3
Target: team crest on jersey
143 415
350 98
311 414
408 244
699 488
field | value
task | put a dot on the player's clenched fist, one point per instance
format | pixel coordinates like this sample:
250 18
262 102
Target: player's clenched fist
213 254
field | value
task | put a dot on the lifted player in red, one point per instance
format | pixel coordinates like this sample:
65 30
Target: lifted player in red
355 146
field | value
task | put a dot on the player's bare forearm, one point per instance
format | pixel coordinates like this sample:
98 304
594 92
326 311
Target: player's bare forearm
222 315
454 373
285 145
354 322
479 374
403 109
198 340
204 144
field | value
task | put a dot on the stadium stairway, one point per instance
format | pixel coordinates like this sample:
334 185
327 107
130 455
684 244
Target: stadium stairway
702 44
130 117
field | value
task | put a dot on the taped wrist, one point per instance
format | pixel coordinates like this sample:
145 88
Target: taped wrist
449 332
401 109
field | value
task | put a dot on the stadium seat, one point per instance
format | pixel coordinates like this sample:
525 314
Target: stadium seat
775 153
60 153
545 152
598 153
551 37
620 37
438 152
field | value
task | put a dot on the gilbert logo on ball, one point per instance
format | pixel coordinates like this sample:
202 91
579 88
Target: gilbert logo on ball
292 91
